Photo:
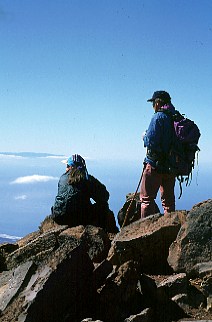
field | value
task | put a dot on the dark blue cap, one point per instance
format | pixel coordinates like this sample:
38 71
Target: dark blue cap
163 95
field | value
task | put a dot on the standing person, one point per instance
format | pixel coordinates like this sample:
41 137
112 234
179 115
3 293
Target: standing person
73 204
158 140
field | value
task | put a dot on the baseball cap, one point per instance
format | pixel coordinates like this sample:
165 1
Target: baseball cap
163 95
77 161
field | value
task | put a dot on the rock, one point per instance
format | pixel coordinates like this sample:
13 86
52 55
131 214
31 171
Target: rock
119 295
175 284
193 243
202 269
53 289
49 224
61 274
145 316
28 238
37 249
4 281
147 241
15 283
209 303
207 285
90 320
96 242
101 272
73 231
164 308
181 299
5 250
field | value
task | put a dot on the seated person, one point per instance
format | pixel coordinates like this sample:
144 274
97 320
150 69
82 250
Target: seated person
73 204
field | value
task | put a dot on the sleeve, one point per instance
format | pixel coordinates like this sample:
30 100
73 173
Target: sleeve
152 138
62 184
97 190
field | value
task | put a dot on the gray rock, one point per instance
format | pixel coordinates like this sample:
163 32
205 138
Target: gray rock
193 243
206 285
96 242
209 303
181 300
90 320
15 283
144 316
203 269
37 249
175 284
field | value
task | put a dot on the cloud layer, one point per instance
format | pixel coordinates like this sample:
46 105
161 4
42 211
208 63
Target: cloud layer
35 178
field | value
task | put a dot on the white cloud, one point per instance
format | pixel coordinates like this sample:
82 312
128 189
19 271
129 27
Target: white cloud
54 157
35 178
9 236
10 156
21 197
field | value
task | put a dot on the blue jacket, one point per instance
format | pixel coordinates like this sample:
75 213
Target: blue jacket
159 136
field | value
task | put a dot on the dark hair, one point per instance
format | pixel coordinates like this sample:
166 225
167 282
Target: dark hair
76 175
161 101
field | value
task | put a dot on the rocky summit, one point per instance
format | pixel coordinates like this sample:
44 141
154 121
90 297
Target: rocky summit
154 269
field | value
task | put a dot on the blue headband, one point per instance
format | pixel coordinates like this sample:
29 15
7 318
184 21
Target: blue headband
70 162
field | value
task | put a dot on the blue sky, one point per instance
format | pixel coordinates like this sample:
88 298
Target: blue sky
76 74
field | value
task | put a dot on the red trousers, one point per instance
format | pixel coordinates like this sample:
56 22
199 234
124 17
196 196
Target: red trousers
150 184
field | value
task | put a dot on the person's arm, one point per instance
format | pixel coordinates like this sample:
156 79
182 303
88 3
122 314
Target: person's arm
62 183
98 191
152 137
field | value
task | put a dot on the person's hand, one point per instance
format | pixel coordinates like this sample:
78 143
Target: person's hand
143 134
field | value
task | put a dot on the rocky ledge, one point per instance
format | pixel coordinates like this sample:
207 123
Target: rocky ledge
154 269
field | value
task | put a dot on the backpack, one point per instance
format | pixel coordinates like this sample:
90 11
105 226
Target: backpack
130 211
184 148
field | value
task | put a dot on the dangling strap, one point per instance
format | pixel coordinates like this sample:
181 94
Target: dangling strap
180 179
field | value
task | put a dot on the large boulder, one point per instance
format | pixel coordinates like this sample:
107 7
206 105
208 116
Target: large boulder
50 274
94 239
37 249
147 241
193 243
59 287
119 296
